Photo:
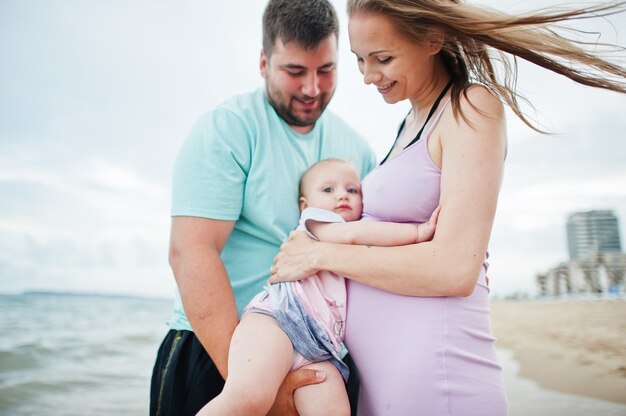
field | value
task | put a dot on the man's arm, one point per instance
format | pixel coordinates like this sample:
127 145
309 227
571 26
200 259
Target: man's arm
203 283
208 299
374 233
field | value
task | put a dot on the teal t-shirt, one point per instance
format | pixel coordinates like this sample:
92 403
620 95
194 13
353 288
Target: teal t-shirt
242 162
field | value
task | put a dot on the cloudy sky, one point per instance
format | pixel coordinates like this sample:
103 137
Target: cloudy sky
96 98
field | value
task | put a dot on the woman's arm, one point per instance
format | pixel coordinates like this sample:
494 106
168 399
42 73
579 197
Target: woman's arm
472 159
375 233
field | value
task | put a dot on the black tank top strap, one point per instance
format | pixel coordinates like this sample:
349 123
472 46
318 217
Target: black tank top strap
419 133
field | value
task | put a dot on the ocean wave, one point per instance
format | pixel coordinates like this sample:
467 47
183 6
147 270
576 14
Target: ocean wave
17 360
77 356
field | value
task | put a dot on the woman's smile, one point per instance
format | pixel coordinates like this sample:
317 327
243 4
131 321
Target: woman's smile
385 88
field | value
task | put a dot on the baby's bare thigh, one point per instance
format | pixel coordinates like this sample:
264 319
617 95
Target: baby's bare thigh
326 398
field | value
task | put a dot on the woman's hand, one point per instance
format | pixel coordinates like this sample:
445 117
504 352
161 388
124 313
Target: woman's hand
294 261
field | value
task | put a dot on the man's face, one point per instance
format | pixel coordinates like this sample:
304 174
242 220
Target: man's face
300 82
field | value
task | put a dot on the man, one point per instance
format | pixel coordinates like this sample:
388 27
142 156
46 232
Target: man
235 199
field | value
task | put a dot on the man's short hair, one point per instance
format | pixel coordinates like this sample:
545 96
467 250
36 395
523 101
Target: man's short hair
306 22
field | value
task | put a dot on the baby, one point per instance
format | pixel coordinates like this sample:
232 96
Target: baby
301 324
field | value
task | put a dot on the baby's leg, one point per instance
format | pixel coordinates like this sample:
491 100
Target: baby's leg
259 358
326 398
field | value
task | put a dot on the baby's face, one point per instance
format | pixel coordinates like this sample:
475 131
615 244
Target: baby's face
334 186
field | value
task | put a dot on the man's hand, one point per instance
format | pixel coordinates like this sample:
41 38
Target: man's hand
283 405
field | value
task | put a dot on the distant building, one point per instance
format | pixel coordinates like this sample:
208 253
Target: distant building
592 233
596 265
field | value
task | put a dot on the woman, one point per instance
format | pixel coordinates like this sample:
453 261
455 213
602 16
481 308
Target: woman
418 320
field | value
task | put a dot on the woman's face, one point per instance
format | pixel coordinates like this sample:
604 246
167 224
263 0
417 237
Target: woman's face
400 68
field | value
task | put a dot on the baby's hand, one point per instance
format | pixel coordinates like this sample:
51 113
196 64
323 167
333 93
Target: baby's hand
426 231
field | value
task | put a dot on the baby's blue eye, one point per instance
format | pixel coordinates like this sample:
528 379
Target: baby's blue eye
328 189
353 191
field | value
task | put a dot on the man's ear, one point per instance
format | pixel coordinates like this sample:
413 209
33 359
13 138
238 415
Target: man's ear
303 203
263 64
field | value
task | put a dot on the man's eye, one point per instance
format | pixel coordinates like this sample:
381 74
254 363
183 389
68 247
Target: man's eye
296 73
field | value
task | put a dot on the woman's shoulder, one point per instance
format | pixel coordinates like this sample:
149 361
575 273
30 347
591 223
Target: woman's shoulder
479 108
478 100
481 114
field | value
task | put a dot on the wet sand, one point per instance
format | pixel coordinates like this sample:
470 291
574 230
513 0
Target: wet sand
527 398
577 347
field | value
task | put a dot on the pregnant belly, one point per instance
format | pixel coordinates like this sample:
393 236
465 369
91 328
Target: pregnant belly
418 354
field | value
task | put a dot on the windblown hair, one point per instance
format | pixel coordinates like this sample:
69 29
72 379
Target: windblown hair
479 42
306 22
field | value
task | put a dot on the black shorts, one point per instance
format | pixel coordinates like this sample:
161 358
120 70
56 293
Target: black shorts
184 378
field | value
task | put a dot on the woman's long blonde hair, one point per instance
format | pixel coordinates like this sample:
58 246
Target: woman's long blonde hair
478 39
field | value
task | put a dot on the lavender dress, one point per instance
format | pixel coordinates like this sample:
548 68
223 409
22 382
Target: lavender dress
419 355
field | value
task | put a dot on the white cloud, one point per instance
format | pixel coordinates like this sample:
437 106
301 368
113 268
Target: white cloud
559 198
97 98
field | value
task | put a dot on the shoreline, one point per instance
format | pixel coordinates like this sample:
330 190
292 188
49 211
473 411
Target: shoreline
570 346
526 397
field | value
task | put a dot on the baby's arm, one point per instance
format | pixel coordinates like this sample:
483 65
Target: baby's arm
374 233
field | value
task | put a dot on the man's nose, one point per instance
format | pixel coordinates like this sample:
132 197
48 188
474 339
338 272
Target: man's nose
311 87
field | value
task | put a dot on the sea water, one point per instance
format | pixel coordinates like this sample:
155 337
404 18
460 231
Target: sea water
87 355
81 355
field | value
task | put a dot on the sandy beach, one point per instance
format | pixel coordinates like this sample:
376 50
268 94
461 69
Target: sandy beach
577 347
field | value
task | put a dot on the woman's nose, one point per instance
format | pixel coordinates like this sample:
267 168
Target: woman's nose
370 76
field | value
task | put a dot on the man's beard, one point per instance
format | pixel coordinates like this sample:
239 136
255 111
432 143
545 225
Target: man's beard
285 112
